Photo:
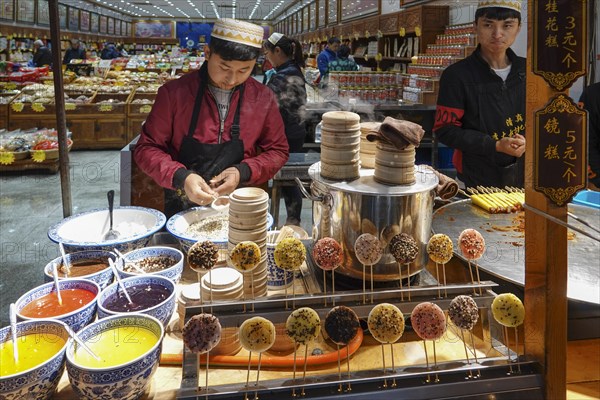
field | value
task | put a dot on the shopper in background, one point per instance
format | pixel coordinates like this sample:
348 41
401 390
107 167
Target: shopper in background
285 54
42 54
213 130
590 100
328 55
343 62
109 52
481 102
75 52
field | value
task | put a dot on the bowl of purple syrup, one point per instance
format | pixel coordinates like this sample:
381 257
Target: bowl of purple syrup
150 294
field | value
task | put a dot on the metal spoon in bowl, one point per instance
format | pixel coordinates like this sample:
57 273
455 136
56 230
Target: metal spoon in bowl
80 342
132 263
66 263
56 284
119 281
13 331
111 234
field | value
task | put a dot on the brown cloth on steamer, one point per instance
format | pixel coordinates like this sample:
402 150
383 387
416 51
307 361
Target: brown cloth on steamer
401 133
447 187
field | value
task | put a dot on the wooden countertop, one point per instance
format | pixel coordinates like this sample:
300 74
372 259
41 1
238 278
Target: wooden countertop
583 374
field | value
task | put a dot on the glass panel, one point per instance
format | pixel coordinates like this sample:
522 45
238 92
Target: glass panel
322 15
357 8
84 20
332 16
313 16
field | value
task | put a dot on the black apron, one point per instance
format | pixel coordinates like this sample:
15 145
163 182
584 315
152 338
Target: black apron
206 159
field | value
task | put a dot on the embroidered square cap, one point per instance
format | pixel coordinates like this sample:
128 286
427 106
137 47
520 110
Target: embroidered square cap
274 38
511 4
237 31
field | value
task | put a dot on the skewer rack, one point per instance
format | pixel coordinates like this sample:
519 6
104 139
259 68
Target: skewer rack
493 373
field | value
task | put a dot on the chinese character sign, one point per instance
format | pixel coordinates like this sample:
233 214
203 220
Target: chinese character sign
559 45
560 149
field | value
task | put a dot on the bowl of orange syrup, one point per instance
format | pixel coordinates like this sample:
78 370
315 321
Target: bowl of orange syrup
40 364
128 348
78 308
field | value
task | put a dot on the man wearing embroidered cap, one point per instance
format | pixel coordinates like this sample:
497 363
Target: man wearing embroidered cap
481 102
213 130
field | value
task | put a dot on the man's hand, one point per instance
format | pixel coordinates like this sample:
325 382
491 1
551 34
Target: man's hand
513 146
226 182
198 191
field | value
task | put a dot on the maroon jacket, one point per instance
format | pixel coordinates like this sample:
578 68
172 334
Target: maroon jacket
261 127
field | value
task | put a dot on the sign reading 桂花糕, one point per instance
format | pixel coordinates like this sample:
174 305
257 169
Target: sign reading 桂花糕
559 45
560 149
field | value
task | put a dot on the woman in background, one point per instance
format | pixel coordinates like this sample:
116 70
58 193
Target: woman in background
285 54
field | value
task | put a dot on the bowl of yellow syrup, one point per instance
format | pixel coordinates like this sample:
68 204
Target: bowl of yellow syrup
128 349
41 348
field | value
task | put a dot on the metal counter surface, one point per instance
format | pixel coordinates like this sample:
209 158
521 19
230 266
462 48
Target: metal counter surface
505 245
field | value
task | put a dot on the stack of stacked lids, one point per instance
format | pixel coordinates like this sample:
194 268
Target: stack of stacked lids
340 145
248 208
226 284
367 148
394 166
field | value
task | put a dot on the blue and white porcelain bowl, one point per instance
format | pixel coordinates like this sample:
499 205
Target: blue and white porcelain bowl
127 381
173 272
76 319
277 278
178 225
103 277
38 382
162 311
85 231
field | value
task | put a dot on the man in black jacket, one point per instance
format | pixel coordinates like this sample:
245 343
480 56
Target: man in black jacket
481 103
75 52
590 100
42 55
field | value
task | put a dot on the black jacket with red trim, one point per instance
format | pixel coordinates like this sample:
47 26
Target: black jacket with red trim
475 108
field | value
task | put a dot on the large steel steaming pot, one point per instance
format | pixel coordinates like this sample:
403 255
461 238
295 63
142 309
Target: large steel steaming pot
345 210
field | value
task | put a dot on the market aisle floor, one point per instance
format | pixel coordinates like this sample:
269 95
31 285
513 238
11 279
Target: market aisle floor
31 202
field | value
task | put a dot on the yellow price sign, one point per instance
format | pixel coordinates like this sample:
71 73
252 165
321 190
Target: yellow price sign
7 157
141 68
17 107
105 108
367 34
418 30
38 155
10 86
145 109
70 106
402 32
38 107
118 67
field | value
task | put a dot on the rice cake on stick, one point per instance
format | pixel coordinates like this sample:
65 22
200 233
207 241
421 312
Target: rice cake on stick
386 325
404 249
303 326
328 255
289 255
368 251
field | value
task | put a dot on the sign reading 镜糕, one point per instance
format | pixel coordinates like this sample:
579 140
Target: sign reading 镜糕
559 44
560 149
